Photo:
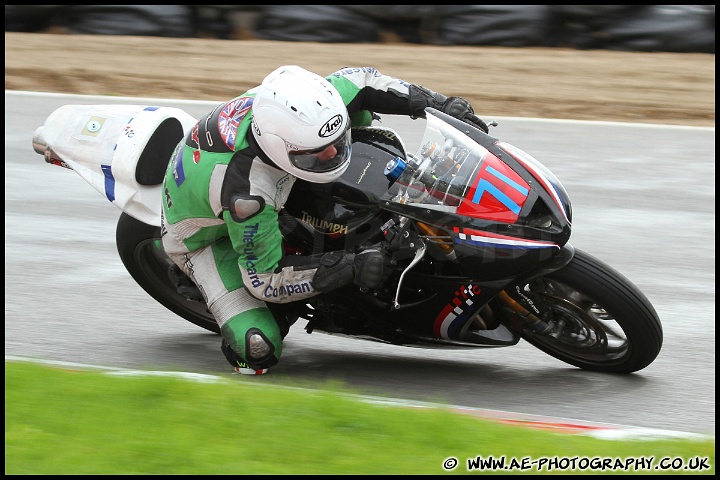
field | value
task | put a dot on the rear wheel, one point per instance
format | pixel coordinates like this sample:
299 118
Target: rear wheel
141 251
594 317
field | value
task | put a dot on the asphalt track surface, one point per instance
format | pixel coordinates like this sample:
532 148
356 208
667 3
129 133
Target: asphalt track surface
643 201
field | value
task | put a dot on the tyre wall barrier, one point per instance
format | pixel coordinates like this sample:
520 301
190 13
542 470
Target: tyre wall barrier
649 28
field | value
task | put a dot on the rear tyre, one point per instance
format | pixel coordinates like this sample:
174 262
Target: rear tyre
141 251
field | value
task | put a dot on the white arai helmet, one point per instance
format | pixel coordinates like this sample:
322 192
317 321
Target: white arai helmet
297 117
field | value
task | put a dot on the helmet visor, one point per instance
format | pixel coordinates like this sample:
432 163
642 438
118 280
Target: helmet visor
323 159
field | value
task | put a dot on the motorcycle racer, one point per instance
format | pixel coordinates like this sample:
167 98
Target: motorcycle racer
228 181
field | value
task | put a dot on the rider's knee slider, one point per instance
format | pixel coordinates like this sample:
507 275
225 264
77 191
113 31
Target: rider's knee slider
259 349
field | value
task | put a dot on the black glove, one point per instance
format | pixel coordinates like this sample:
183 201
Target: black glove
367 269
371 267
457 107
461 109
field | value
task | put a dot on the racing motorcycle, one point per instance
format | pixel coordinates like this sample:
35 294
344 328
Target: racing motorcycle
477 229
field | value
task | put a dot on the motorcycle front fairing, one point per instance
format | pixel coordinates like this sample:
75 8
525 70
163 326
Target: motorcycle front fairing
496 211
502 210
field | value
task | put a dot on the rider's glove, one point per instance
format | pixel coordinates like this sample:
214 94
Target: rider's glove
461 109
458 107
367 269
371 268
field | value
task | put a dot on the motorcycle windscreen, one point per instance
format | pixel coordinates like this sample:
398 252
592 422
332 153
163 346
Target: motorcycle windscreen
452 173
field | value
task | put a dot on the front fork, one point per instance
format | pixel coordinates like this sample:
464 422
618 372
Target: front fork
528 319
532 320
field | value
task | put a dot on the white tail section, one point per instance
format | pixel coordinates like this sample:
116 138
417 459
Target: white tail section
121 150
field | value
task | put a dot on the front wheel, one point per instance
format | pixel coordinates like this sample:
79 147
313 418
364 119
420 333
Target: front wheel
590 316
141 251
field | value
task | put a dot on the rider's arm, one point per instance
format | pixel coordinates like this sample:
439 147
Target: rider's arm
251 195
365 89
259 243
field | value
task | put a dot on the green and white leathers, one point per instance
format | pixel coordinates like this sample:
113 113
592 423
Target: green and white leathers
222 194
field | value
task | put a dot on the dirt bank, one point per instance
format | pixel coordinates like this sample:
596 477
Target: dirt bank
664 88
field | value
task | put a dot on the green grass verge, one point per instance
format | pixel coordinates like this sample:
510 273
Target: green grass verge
59 421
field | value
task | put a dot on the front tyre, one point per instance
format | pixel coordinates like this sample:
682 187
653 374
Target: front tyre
141 251
597 319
